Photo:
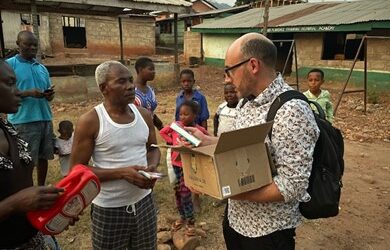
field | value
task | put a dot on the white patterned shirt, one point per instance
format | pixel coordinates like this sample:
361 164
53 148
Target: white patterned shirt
294 135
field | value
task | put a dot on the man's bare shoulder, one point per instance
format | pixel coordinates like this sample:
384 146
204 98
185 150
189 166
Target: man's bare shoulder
89 122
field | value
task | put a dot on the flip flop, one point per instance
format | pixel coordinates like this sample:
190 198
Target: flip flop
190 230
177 225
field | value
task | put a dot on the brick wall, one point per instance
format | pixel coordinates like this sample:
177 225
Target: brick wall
378 54
199 7
192 45
102 35
309 47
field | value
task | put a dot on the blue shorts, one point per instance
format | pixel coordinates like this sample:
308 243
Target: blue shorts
40 139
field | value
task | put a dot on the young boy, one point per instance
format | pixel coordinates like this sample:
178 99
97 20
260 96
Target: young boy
226 112
187 80
224 118
144 94
63 145
315 78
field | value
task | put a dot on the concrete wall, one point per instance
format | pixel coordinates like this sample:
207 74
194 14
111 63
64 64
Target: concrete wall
166 39
12 26
215 47
192 45
378 54
103 36
310 46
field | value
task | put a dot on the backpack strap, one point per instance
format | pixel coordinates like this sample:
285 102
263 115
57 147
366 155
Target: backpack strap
285 97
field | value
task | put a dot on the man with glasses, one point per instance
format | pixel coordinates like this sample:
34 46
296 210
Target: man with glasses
266 218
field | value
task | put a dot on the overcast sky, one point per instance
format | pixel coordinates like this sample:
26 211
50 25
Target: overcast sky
231 2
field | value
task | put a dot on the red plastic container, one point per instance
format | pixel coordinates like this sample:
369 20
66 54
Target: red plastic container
81 187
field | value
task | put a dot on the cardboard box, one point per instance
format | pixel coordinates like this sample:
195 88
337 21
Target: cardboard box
237 163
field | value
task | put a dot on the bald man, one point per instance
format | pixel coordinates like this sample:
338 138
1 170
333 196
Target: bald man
34 118
266 218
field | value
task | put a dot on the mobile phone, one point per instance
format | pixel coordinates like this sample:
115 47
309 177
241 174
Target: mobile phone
49 90
151 175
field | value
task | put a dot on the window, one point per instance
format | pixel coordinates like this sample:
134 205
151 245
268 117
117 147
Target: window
28 20
74 32
166 27
341 46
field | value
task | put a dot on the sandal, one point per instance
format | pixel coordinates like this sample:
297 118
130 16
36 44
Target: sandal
190 230
177 225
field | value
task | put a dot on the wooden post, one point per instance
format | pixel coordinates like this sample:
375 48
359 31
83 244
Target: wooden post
175 37
265 17
34 14
349 75
296 64
2 37
365 75
121 39
176 65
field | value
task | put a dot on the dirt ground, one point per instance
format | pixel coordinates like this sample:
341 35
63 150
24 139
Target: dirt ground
363 222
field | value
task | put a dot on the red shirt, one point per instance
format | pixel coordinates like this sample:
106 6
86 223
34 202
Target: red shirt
173 138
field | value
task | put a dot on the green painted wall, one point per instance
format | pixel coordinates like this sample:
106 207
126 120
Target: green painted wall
214 61
375 80
169 39
215 45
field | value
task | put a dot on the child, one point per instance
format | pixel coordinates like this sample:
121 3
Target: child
63 145
224 118
144 94
315 77
226 112
187 80
188 111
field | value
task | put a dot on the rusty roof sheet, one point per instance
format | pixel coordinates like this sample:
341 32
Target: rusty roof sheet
166 2
346 13
253 18
307 14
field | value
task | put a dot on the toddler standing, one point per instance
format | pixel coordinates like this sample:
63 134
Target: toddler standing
63 145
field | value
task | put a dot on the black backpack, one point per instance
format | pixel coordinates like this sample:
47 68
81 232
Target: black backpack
328 164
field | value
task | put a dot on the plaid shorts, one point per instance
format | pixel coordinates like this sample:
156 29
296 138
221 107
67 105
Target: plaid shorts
128 227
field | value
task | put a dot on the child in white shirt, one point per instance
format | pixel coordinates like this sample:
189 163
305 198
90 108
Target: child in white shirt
63 145
225 117
226 113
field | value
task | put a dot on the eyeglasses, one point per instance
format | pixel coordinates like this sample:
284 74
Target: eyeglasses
227 69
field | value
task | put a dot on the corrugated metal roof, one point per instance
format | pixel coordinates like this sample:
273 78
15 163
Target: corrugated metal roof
210 13
307 14
168 2
346 13
252 18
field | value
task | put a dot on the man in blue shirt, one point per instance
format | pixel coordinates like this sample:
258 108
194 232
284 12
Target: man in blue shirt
34 118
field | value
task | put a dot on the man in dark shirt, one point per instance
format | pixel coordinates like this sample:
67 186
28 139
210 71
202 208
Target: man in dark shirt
17 193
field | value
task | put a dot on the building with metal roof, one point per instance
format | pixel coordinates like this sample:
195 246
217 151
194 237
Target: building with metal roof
164 27
327 34
87 28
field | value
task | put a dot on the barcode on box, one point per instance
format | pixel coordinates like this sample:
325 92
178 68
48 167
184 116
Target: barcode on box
226 191
246 180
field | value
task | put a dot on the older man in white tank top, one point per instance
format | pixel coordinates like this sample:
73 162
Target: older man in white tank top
117 135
